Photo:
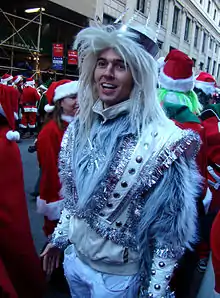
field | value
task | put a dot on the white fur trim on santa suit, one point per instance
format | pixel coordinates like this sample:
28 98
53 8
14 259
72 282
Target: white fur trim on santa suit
30 109
22 126
50 210
13 135
67 118
31 126
207 200
66 90
180 85
5 81
30 84
48 108
19 78
206 87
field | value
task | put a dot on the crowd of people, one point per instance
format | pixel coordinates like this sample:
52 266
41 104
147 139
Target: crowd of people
129 174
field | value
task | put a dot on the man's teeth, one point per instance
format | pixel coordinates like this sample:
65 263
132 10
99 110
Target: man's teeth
109 86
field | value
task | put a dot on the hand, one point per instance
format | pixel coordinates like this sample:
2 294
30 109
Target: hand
51 258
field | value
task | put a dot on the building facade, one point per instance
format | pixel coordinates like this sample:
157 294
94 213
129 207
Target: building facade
192 26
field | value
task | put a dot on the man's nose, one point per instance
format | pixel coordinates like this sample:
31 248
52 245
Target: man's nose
109 70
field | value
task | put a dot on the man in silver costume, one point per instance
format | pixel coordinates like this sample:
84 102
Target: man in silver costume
128 173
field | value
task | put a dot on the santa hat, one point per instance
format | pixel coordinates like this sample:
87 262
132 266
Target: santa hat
177 72
59 90
6 78
30 82
7 109
206 83
17 79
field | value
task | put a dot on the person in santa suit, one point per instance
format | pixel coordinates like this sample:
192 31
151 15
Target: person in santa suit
205 88
29 100
215 246
7 79
62 107
20 271
211 122
181 104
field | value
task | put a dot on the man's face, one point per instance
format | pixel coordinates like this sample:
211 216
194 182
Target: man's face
113 78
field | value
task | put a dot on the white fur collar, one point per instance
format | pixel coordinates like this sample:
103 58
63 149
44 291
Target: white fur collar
67 118
113 111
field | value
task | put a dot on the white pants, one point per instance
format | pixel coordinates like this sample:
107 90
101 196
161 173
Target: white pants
85 282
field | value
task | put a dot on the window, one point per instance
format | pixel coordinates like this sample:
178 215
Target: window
218 72
141 5
204 42
210 44
213 69
194 62
108 19
214 17
201 65
209 5
175 19
196 36
187 27
216 48
200 1
160 44
160 11
208 63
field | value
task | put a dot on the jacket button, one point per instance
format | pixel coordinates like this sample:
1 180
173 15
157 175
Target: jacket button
118 224
139 159
124 184
132 171
116 195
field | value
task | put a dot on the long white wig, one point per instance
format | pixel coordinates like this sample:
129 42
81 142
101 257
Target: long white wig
145 107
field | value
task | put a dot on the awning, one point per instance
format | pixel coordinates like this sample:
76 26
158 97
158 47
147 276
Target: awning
83 7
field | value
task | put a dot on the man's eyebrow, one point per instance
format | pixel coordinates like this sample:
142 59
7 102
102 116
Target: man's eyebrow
114 60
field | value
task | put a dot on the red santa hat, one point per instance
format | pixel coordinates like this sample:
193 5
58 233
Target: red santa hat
6 78
7 109
177 72
59 90
30 82
17 79
206 83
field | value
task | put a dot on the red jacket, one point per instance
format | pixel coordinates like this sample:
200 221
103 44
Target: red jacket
20 270
215 246
48 148
29 99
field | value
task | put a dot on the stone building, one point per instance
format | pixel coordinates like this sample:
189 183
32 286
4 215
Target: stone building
192 26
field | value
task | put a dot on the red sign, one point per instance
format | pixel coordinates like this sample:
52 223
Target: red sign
72 57
58 50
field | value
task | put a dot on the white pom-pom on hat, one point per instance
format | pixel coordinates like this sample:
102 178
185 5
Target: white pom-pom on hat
13 135
49 109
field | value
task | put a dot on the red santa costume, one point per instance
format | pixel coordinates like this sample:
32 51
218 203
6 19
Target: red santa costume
6 79
211 122
20 270
182 105
48 147
215 246
29 100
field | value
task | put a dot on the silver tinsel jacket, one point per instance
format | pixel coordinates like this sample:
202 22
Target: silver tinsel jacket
142 201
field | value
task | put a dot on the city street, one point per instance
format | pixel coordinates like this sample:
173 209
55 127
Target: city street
30 167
